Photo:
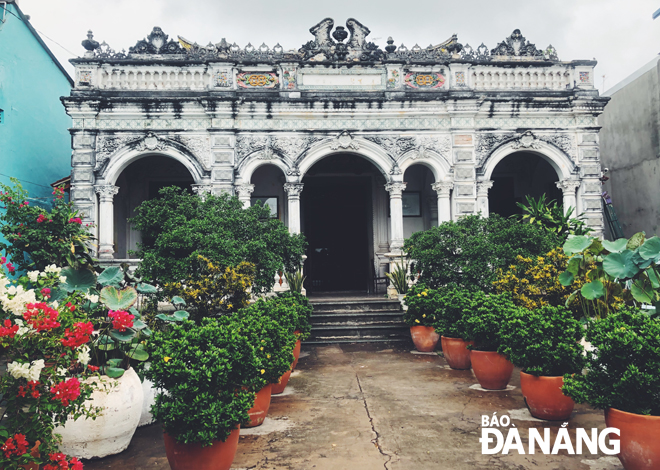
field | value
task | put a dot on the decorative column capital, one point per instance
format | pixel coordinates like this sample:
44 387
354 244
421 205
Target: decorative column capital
106 192
443 188
293 190
244 190
202 189
569 185
483 187
395 189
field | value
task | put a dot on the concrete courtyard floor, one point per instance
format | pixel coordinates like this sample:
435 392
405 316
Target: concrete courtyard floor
370 407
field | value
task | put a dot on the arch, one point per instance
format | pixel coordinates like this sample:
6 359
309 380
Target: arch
437 164
250 164
124 157
562 163
360 147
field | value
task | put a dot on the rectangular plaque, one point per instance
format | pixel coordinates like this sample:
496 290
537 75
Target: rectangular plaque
463 139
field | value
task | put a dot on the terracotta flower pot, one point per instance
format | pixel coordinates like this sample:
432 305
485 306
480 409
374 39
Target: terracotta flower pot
456 352
34 452
218 456
493 370
281 385
296 351
640 438
424 337
260 409
544 397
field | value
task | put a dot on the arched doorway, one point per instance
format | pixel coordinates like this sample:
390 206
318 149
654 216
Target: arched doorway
519 175
140 181
268 181
343 195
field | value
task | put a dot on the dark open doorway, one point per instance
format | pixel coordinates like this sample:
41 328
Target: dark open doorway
336 215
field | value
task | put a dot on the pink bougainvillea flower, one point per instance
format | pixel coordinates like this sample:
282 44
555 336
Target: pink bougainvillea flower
121 320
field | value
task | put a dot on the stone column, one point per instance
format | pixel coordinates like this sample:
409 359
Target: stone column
244 193
293 191
482 196
443 188
569 188
202 189
106 220
396 215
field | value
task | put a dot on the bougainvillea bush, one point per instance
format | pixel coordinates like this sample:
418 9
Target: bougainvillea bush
46 346
177 227
37 237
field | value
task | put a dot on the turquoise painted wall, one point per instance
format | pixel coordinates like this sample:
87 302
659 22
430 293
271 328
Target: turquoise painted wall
35 144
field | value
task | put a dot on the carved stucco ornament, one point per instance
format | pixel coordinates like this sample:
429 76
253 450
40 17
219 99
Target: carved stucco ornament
527 141
345 140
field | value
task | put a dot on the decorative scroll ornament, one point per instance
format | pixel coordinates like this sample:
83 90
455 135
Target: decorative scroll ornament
486 143
344 140
443 188
424 80
395 146
569 185
106 192
517 46
483 187
395 189
441 146
257 80
244 190
323 48
106 146
293 189
562 141
527 141
156 43
200 147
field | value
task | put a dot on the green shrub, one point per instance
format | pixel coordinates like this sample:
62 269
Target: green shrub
56 236
484 318
421 302
544 341
264 325
205 372
303 309
454 306
471 251
622 371
178 226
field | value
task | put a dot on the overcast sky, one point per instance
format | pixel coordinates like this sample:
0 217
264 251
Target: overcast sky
620 34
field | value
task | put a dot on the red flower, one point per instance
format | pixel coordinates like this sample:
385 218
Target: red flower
16 445
45 292
8 330
41 218
41 317
121 320
76 220
10 268
3 260
93 368
71 306
79 335
66 391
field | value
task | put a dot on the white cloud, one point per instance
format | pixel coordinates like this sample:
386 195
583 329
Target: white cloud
620 35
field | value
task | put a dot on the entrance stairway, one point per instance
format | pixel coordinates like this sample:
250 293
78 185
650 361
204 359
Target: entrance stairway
357 321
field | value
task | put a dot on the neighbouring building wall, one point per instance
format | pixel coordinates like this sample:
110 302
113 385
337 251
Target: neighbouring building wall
630 149
35 144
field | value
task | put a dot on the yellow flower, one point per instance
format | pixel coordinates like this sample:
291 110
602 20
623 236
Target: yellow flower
418 295
424 316
268 356
263 371
167 359
424 294
261 348
416 321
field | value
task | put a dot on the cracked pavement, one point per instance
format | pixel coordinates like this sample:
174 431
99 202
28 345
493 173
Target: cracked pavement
371 407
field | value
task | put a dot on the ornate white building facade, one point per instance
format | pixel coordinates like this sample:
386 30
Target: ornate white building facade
355 146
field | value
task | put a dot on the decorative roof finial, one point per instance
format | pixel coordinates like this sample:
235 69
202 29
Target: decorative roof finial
89 44
390 48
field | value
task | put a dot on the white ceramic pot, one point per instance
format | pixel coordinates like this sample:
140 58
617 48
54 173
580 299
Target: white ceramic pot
149 394
110 433
401 298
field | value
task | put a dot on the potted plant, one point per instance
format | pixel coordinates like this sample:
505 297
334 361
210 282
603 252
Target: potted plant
452 306
622 378
118 345
545 344
420 316
301 324
399 279
205 373
45 348
274 342
486 315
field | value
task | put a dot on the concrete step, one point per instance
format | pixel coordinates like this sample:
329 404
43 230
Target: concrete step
341 340
356 318
355 305
360 331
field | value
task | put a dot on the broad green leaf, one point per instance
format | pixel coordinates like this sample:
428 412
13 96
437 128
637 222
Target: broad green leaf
105 343
139 325
593 290
570 298
574 264
114 372
133 311
653 277
566 278
123 336
113 362
146 332
162 316
616 246
116 299
78 280
176 300
642 291
577 244
138 354
596 246
620 265
650 249
641 262
143 288
111 276
180 315
636 241
57 294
